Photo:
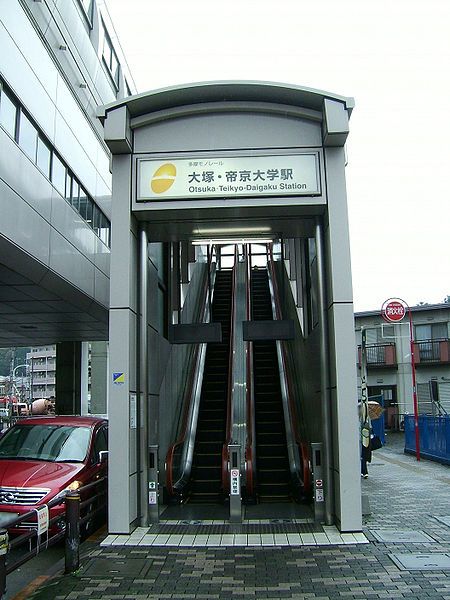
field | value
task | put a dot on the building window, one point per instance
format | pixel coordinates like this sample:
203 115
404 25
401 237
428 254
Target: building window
75 198
8 113
431 331
27 136
87 7
44 156
110 58
83 203
59 175
105 230
380 335
33 142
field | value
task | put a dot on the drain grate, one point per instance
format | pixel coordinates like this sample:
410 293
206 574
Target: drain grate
422 562
400 536
115 567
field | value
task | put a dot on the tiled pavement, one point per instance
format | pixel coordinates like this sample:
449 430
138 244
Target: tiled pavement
408 524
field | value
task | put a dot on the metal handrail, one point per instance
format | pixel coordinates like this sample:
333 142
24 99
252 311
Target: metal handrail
186 440
298 449
250 452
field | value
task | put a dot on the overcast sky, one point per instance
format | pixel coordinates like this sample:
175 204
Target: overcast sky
393 57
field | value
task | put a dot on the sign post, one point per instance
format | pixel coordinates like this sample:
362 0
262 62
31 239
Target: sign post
394 310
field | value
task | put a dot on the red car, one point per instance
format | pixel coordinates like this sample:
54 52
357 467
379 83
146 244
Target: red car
41 456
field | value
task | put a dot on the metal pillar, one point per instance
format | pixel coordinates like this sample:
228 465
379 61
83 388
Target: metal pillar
324 377
234 452
142 414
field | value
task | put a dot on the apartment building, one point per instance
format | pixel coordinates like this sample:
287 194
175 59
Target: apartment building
390 360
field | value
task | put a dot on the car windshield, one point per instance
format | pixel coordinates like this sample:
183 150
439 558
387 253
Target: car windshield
56 443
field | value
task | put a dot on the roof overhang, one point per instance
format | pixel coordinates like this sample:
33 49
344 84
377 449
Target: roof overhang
225 91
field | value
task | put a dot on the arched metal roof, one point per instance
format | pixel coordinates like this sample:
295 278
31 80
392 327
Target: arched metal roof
223 91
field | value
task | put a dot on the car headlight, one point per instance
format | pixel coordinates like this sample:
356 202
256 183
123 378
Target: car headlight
74 486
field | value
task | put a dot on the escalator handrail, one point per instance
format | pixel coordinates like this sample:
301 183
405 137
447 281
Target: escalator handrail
190 412
303 448
250 400
229 425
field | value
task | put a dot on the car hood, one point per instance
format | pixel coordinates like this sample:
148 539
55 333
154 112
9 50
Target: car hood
37 473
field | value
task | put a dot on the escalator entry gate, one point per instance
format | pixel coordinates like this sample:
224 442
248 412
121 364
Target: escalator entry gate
318 481
235 483
153 494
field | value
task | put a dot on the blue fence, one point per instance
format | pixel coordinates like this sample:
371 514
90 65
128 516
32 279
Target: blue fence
434 437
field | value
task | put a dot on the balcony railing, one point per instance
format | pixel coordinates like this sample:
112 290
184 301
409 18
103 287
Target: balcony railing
432 352
379 355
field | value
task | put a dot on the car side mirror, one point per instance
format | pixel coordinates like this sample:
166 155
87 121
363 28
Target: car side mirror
103 456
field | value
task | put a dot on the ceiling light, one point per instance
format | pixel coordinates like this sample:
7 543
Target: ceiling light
232 231
228 241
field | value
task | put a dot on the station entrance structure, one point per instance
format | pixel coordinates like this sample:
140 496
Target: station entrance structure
198 169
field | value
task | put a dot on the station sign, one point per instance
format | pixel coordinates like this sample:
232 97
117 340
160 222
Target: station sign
393 310
228 177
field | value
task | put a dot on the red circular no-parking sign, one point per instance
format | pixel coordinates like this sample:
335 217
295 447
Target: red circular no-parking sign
393 310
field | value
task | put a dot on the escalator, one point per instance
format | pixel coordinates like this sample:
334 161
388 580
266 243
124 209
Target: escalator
272 462
206 475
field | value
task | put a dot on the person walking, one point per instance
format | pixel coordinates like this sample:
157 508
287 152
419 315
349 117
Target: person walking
366 449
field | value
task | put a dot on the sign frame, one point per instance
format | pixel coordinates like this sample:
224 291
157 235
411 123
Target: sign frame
315 196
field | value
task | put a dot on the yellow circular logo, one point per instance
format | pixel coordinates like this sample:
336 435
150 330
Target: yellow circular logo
163 178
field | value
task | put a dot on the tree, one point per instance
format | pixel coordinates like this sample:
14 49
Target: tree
5 359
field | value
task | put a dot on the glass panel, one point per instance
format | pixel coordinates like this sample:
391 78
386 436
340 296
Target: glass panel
89 211
43 157
27 136
83 203
439 331
8 113
75 194
312 249
59 174
105 230
422 332
68 186
372 336
157 257
87 7
114 67
161 302
96 219
107 50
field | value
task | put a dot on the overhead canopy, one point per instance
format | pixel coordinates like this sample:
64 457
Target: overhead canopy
228 91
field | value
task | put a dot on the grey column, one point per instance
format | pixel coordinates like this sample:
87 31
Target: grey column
68 378
324 378
143 374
